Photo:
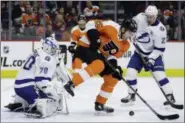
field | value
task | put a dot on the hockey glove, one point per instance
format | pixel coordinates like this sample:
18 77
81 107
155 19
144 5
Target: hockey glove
150 64
93 36
110 47
72 47
118 73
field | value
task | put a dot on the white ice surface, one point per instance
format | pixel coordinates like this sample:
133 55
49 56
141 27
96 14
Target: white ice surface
81 106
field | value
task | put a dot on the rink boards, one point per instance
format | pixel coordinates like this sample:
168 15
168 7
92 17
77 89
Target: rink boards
14 53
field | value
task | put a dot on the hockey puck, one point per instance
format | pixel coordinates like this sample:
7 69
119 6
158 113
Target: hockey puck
131 113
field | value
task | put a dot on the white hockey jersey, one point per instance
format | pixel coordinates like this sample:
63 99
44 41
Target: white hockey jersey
39 66
150 39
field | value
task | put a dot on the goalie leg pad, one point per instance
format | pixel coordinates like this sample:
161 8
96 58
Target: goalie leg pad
63 74
46 107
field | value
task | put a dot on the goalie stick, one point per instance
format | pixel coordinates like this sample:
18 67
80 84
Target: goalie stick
64 97
162 117
176 106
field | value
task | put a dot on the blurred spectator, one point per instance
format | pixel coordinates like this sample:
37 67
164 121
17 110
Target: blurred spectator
23 5
59 25
161 16
183 23
49 30
90 10
32 19
169 22
4 16
28 17
17 13
66 34
40 31
28 21
51 6
71 18
41 18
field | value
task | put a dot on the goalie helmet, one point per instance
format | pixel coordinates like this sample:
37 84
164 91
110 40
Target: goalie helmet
49 45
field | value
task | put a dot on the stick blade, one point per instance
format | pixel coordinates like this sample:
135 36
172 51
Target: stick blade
177 106
168 117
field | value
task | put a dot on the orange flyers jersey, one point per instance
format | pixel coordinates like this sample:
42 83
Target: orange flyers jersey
27 19
108 32
47 19
77 33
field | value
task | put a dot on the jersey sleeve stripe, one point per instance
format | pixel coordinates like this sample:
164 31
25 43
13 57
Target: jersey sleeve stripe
18 82
160 49
139 50
38 79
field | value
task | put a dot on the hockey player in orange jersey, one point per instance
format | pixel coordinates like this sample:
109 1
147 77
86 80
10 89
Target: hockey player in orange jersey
112 43
77 32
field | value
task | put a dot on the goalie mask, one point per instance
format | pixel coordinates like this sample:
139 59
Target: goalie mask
50 46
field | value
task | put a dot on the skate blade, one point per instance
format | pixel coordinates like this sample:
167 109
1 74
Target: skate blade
169 108
103 113
60 109
33 115
131 103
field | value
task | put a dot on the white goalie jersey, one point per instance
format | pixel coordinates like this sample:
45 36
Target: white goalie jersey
38 66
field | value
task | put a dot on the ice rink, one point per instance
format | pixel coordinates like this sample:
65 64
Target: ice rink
81 106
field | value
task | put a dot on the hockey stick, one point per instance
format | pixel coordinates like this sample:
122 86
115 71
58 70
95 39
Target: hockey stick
162 117
65 100
172 104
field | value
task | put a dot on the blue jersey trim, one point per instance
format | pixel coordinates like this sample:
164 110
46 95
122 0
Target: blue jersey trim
141 50
132 82
37 79
18 82
155 23
142 36
163 81
160 49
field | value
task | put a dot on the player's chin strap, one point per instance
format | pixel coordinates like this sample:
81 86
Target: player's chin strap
172 104
162 117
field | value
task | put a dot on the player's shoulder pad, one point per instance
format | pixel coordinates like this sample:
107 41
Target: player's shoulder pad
112 23
90 25
139 16
159 30
74 28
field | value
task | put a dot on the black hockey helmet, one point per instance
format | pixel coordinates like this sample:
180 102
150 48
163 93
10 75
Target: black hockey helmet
82 17
129 24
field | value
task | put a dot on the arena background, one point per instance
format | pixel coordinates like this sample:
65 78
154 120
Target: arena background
24 23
